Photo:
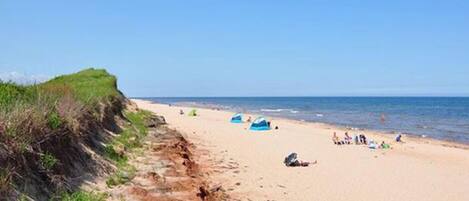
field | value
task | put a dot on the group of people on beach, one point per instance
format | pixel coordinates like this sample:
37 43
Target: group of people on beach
361 139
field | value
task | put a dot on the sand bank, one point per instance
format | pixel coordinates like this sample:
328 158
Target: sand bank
251 168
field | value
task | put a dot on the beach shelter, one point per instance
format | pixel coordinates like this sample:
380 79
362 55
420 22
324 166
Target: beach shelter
193 113
237 118
260 124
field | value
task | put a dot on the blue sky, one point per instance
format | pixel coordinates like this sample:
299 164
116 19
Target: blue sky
245 48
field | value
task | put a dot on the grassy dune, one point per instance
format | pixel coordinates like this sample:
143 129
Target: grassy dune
42 125
51 106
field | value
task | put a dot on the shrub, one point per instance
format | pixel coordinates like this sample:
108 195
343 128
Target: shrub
83 196
48 161
123 175
5 180
54 121
112 154
9 93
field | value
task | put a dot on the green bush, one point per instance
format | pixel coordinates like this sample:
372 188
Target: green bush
48 161
83 196
123 175
54 120
111 153
9 93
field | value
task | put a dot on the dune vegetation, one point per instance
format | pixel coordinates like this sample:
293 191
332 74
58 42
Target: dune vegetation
51 132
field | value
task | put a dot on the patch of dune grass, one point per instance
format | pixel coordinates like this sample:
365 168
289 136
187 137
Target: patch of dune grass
30 115
83 196
56 103
129 139
89 86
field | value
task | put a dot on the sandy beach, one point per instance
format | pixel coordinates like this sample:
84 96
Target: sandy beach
251 163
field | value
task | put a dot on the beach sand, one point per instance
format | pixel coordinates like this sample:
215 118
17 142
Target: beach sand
250 164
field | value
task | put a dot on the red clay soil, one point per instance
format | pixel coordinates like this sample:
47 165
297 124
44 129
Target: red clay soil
183 178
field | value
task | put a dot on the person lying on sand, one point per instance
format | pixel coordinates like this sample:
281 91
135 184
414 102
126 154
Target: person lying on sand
292 161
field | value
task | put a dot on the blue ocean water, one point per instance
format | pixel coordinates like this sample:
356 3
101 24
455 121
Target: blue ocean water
444 118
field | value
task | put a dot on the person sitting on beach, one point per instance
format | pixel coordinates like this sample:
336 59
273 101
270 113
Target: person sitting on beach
336 140
398 138
249 119
384 145
181 112
292 161
372 145
347 138
355 139
362 139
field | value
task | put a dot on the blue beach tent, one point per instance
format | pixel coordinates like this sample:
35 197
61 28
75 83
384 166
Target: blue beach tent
237 118
260 124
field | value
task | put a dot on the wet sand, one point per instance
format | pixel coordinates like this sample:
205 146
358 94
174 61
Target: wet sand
250 164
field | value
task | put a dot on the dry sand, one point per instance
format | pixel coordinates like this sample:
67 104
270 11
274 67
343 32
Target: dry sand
251 163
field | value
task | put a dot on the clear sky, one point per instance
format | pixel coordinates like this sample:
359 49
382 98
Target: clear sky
245 48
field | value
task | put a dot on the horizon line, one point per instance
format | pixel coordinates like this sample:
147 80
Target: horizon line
331 96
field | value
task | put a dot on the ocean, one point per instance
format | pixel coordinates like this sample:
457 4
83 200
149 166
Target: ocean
445 118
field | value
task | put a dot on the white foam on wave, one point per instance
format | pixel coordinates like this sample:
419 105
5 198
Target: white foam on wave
319 115
273 110
280 110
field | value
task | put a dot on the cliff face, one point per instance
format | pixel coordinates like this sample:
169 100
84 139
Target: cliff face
55 135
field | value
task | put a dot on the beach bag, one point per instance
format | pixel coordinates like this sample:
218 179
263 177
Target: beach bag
290 159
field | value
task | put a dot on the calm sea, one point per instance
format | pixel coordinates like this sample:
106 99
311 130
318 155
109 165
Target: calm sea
435 117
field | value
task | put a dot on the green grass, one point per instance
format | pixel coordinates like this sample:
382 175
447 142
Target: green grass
30 114
129 139
83 196
10 92
48 161
51 105
89 86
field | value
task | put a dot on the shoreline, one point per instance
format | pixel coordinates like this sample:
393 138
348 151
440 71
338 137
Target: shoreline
249 164
381 133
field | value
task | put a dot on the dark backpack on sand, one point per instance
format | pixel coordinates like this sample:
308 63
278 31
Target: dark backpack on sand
290 159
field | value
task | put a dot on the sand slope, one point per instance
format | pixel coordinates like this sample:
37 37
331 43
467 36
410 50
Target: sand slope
415 170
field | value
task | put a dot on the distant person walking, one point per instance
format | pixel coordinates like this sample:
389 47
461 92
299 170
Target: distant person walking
383 118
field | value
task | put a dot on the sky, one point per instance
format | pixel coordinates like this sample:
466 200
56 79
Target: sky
244 47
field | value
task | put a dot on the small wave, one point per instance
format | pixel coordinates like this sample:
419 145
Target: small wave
273 110
319 115
294 111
